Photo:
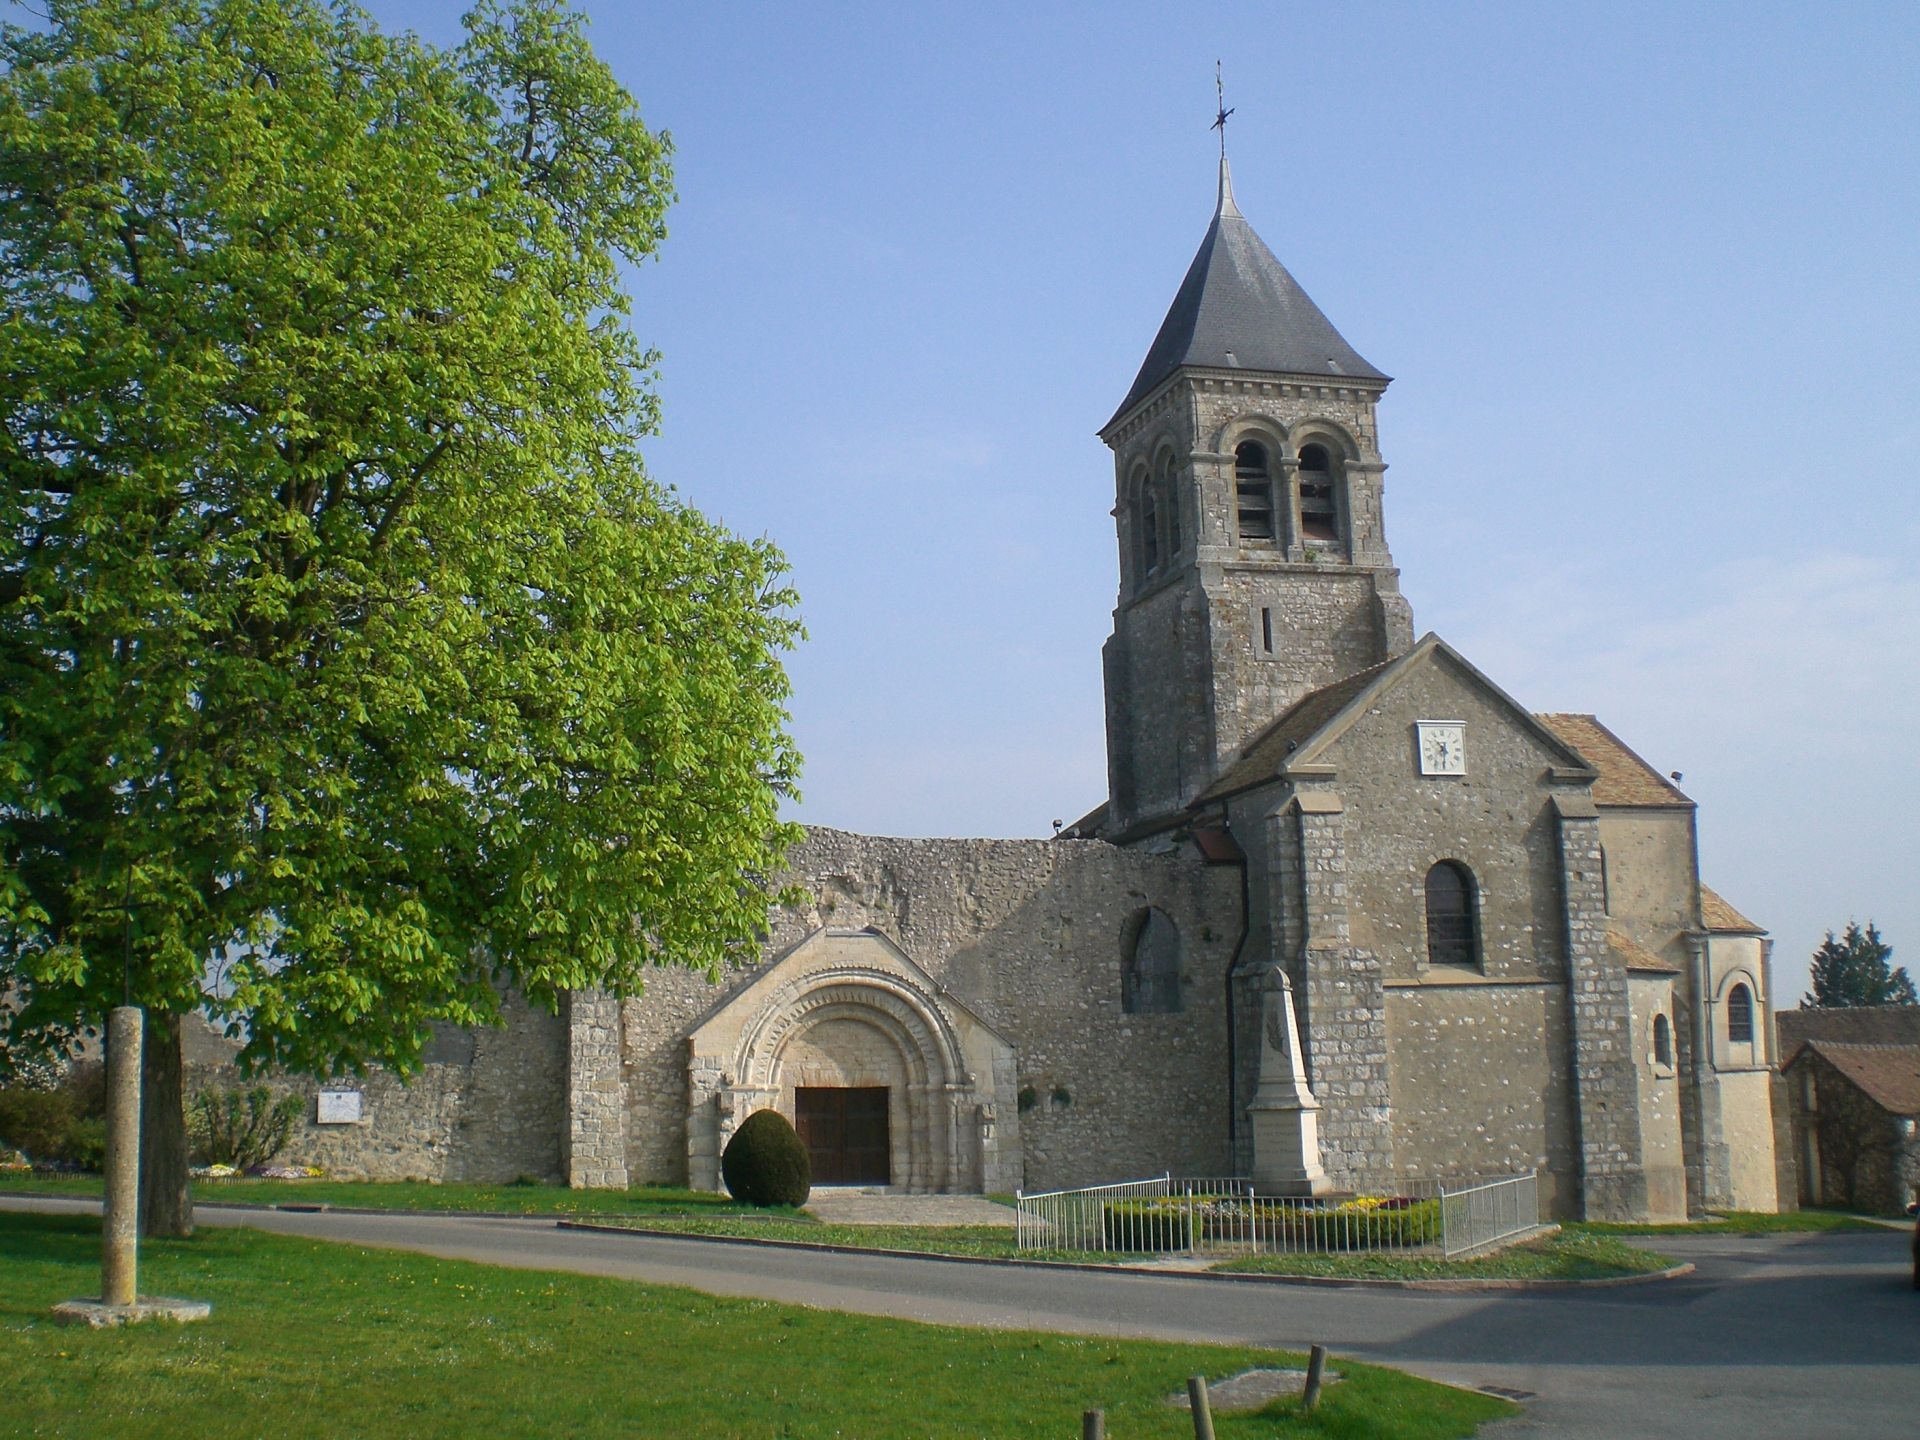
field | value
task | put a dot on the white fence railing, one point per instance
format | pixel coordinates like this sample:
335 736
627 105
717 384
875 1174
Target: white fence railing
1224 1216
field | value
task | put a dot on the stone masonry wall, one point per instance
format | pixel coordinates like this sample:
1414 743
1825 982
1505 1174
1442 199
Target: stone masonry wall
486 1107
1030 935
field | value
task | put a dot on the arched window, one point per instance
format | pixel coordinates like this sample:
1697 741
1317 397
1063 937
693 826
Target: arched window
1319 508
1740 1015
1170 506
1662 1040
1151 984
1149 522
1453 936
1253 483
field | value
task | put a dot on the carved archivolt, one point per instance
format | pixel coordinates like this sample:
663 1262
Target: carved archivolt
890 1002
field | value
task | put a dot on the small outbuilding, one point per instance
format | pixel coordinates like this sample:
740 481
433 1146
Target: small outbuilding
1853 1101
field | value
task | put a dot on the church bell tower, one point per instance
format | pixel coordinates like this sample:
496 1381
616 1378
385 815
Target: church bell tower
1253 559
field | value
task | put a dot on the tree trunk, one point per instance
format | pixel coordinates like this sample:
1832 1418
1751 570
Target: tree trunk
166 1204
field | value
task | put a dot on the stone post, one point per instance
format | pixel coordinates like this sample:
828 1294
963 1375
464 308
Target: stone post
120 1302
119 1263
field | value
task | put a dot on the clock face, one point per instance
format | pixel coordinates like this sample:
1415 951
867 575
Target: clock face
1443 747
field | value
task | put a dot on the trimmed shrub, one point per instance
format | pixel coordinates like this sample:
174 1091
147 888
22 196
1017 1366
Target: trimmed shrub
241 1128
1152 1225
765 1163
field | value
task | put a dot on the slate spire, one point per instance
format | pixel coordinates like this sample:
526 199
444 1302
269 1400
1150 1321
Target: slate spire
1239 309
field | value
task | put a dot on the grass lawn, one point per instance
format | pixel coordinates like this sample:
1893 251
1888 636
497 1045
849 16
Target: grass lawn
309 1338
405 1195
1570 1255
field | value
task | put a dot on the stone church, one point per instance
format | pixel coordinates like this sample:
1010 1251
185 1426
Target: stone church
1350 915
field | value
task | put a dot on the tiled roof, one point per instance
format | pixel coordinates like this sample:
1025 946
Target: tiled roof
1636 956
1716 914
1888 1075
1261 758
1239 309
1848 1025
1625 779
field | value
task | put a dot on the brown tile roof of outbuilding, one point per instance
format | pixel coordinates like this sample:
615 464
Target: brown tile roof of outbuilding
1636 956
1716 914
1847 1025
1888 1075
1625 779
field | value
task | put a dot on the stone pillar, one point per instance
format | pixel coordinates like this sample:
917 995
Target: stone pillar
119 1262
596 1128
1613 1184
1345 1034
1285 1116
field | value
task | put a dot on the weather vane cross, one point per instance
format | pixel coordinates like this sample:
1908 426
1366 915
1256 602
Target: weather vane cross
1220 119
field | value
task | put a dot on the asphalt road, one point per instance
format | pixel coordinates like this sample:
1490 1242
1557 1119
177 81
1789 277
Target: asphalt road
1791 1335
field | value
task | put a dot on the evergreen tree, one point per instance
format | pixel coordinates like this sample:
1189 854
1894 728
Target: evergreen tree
1857 969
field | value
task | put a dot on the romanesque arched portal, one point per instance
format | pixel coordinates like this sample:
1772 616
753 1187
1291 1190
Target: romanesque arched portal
892 1082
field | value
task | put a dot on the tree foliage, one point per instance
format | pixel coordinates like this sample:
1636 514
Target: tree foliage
343 638
1857 969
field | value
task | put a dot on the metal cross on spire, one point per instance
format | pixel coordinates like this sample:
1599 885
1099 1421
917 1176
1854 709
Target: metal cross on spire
1220 119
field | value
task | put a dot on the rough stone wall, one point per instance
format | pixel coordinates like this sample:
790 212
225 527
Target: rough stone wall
489 1110
1160 740
1866 1160
1480 1083
1344 1013
596 1133
1029 934
1606 1111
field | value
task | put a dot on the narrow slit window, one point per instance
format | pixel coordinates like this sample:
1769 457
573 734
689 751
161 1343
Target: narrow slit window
1319 516
1253 487
1266 629
1662 1040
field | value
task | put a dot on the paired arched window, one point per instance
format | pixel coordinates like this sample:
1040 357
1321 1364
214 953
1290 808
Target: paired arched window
1170 506
1319 505
1740 1015
1151 982
1253 487
1662 1040
1156 519
1148 519
1453 930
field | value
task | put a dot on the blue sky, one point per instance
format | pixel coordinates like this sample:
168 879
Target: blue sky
1648 276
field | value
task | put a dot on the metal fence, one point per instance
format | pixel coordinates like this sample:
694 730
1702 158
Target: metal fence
1163 1215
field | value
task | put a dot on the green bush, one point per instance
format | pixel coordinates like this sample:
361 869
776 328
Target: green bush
241 1128
35 1121
62 1125
1152 1225
765 1163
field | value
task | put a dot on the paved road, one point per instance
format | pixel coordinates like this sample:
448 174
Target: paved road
1797 1335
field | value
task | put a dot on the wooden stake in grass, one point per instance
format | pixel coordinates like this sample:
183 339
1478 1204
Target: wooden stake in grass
1093 1425
1202 1407
1316 1372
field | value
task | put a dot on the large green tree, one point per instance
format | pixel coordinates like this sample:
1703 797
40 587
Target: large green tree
343 640
1858 969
